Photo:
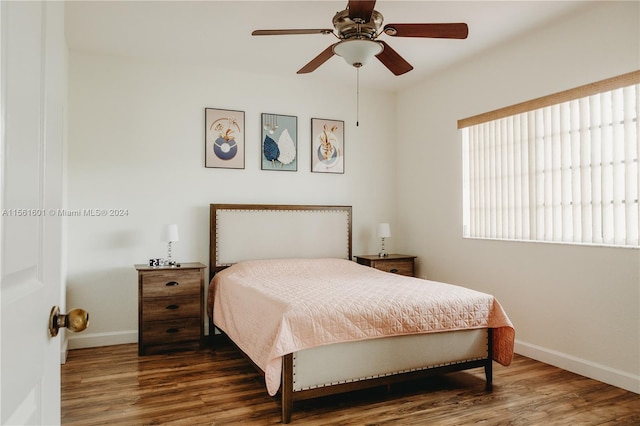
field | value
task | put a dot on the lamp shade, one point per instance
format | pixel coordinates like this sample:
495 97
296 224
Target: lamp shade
384 230
357 52
171 233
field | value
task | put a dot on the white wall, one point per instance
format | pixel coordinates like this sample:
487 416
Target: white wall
136 142
575 307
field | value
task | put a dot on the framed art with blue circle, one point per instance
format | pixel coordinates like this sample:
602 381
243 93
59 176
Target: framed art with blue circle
327 146
224 138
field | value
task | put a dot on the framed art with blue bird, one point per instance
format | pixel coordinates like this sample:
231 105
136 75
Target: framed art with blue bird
224 138
279 142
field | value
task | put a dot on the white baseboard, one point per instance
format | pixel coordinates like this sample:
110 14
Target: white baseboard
92 340
580 366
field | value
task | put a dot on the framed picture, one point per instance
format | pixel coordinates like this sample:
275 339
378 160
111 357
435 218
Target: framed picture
279 142
224 138
327 146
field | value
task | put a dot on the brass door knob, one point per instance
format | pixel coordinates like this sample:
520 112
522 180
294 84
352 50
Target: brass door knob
76 320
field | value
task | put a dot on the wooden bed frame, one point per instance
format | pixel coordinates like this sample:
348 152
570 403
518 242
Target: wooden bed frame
249 228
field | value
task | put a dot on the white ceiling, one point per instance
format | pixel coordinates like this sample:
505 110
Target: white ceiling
219 33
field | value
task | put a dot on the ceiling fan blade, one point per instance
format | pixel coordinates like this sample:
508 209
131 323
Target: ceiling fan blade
392 60
452 30
292 31
323 57
359 9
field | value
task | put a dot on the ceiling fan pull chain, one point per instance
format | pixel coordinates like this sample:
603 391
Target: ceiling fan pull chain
357 97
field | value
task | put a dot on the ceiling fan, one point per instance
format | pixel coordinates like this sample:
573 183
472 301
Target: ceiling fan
358 28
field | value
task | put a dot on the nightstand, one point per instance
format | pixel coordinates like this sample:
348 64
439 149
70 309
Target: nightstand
395 263
170 307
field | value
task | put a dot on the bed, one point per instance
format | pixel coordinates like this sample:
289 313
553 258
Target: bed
285 291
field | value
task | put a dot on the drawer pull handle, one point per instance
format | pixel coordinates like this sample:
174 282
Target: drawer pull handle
172 283
173 330
394 271
173 307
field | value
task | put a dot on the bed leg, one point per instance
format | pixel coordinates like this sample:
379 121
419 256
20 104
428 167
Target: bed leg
212 333
488 367
287 387
488 372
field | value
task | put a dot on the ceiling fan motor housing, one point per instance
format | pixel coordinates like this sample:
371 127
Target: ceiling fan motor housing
348 28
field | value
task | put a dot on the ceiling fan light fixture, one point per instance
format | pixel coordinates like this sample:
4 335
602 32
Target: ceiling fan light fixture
357 52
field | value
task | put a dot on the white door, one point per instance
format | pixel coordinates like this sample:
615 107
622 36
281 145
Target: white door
33 91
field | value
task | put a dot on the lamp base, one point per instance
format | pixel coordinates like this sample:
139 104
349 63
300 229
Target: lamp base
382 253
169 260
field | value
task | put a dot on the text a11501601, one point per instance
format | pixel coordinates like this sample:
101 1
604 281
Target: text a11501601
84 212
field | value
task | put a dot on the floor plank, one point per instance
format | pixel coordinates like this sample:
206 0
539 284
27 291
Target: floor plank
112 385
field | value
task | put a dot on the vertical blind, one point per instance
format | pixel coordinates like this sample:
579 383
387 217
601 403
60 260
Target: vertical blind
563 172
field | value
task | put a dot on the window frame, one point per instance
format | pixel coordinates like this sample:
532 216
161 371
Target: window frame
532 106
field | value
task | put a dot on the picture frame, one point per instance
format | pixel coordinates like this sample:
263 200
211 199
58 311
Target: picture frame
224 138
327 146
279 146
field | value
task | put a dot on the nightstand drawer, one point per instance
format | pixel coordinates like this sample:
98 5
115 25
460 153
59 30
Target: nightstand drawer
169 308
163 332
171 283
400 264
401 267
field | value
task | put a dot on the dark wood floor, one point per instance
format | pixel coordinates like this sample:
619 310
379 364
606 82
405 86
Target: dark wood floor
112 385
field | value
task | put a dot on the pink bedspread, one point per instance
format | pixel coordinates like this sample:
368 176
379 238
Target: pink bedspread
270 308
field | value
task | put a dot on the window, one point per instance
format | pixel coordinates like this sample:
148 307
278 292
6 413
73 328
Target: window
563 168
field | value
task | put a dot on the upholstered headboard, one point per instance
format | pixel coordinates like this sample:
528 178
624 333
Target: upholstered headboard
268 231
